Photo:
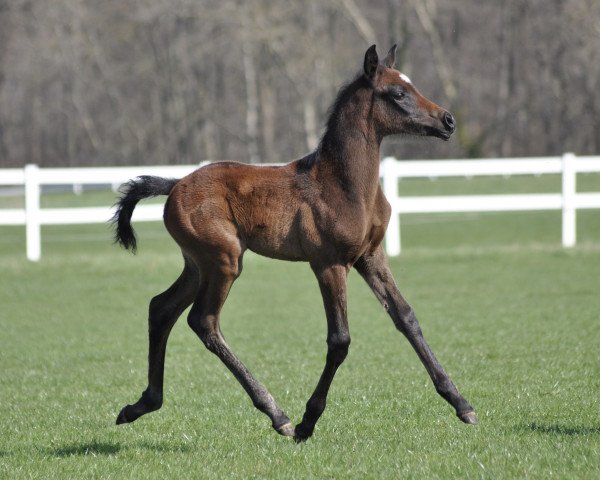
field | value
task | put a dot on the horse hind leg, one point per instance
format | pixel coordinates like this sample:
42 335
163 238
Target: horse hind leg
164 311
204 321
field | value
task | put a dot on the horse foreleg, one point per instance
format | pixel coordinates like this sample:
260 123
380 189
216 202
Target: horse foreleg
332 282
164 311
374 268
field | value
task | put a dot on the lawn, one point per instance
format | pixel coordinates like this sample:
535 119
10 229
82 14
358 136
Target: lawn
512 317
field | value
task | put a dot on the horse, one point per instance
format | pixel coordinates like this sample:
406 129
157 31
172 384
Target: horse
327 209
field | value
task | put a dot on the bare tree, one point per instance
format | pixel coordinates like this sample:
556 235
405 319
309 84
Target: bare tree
180 81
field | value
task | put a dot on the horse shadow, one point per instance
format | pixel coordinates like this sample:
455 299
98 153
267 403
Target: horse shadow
563 430
96 448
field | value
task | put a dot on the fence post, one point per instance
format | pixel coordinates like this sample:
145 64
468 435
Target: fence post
390 190
32 213
569 225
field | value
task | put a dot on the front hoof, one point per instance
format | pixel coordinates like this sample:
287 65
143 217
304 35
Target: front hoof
469 418
299 439
287 430
302 434
122 418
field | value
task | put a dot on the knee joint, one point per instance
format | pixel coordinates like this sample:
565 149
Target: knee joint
338 346
408 322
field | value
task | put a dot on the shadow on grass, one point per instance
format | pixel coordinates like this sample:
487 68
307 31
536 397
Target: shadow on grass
92 448
107 449
558 429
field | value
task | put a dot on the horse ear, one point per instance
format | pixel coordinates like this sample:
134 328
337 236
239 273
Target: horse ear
371 62
390 58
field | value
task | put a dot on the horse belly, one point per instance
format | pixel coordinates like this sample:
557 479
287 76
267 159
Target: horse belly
274 239
269 227
267 248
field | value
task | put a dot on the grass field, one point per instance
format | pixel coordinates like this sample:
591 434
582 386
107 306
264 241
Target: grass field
512 317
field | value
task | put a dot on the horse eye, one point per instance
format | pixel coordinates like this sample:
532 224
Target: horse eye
398 94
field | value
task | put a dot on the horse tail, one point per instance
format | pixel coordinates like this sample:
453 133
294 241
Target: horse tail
131 193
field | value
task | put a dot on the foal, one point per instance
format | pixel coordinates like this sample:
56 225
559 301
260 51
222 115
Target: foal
326 208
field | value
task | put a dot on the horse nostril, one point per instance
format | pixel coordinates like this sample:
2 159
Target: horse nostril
449 121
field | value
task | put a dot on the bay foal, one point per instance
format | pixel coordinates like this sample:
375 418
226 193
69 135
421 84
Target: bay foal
326 208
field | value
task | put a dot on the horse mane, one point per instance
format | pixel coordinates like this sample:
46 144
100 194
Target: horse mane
341 99
330 134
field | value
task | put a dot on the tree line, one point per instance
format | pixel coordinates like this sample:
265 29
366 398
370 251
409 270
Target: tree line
84 82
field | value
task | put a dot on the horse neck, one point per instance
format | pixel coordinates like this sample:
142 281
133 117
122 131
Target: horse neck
349 151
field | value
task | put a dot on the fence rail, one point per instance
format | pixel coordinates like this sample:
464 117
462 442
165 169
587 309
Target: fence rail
568 200
33 217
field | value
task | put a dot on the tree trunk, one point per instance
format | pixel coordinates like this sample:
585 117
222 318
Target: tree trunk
425 11
251 99
267 100
310 122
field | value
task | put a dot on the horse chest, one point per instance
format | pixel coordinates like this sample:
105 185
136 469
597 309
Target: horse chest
341 235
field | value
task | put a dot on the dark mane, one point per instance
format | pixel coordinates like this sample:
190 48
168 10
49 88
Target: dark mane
333 112
344 94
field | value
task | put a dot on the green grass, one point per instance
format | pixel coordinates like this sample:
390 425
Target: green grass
512 317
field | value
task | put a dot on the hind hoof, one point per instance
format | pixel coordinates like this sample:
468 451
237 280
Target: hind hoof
287 430
469 418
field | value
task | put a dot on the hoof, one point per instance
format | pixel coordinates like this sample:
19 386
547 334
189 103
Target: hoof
121 418
469 417
299 439
301 435
287 430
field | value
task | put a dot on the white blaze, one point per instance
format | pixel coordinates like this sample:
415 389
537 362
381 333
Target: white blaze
405 78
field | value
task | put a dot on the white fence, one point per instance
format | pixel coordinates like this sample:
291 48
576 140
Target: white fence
568 200
32 178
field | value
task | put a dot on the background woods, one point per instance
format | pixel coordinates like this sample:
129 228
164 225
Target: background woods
155 82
